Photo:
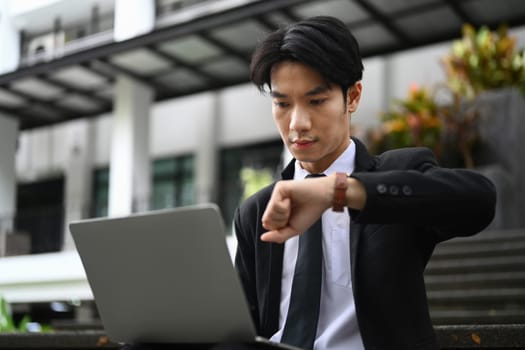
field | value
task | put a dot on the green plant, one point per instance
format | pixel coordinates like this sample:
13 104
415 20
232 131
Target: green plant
483 60
254 180
413 121
450 130
6 320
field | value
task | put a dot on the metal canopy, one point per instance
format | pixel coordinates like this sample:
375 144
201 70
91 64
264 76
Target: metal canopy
213 51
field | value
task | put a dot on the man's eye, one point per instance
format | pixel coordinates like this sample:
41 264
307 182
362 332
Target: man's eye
317 102
281 104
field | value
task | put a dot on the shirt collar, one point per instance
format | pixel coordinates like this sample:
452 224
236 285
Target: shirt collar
343 164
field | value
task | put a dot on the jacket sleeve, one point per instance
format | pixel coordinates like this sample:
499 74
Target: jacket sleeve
410 188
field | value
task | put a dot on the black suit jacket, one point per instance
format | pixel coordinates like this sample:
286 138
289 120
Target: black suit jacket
412 204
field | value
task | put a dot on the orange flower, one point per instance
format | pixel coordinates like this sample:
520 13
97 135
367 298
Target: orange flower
395 125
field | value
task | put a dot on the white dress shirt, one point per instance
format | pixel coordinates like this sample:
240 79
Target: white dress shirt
337 327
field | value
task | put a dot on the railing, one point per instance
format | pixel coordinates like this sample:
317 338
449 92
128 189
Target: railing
66 48
168 7
59 42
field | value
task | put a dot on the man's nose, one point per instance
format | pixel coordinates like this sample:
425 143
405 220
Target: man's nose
300 120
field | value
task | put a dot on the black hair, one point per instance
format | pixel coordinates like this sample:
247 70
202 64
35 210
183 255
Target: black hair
323 43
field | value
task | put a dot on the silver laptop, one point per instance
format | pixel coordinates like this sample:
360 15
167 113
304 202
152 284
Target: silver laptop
165 277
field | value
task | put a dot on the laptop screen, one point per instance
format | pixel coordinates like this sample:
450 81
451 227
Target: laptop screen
164 277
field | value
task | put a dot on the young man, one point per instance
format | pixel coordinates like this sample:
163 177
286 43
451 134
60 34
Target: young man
354 278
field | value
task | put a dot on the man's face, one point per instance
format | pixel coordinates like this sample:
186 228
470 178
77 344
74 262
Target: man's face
311 115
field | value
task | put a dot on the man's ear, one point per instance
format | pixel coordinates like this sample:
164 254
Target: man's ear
353 96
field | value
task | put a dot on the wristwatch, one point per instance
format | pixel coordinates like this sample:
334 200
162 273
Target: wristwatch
339 200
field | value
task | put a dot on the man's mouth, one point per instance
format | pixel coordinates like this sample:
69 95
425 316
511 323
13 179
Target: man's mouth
302 143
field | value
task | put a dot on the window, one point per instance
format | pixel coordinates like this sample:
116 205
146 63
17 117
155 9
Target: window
40 214
100 193
260 156
173 184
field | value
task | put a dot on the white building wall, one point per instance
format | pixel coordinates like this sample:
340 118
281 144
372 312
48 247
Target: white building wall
372 96
102 139
246 116
42 152
421 67
133 18
10 39
519 33
175 123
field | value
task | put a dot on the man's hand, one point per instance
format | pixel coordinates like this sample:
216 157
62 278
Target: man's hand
296 204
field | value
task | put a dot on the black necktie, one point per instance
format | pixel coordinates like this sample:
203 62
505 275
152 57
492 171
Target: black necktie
301 323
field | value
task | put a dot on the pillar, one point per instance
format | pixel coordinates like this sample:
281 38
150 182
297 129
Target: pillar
133 18
130 169
388 82
206 157
78 176
8 140
10 39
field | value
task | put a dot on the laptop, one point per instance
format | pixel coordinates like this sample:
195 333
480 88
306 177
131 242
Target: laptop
166 277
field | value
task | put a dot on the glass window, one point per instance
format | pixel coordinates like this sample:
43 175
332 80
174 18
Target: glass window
100 193
40 214
173 184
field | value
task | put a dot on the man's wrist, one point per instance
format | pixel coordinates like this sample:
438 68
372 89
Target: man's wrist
356 194
339 198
